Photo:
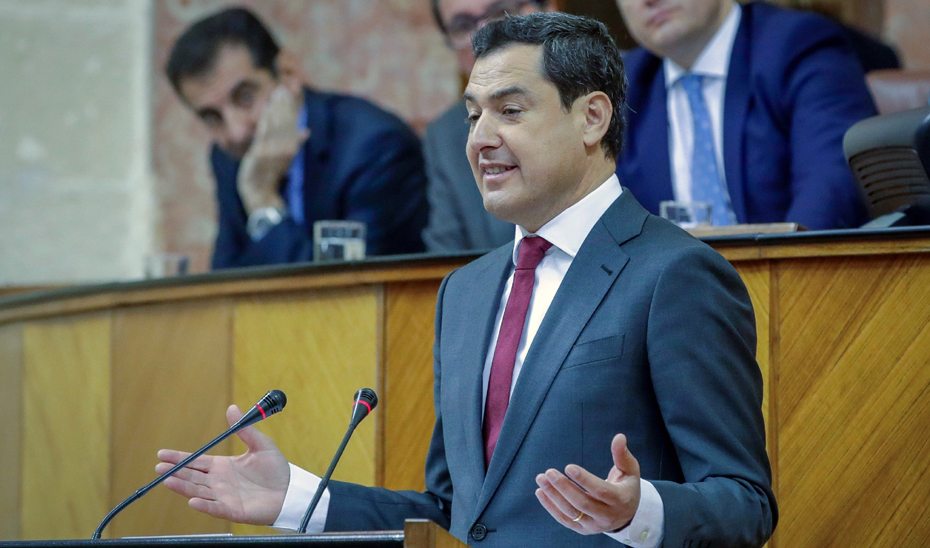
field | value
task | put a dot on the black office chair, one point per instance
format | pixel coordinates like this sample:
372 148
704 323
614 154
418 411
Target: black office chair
889 155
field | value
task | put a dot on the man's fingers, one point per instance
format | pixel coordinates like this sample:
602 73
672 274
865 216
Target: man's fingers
567 496
593 486
250 436
186 474
555 512
187 489
172 457
210 507
624 460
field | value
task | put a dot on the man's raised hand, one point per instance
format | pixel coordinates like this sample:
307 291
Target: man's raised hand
588 504
273 148
247 488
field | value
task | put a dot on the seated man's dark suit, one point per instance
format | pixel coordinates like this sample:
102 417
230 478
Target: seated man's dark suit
650 334
360 164
793 89
457 218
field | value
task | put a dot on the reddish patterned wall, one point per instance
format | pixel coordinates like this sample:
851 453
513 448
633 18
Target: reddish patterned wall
907 26
387 51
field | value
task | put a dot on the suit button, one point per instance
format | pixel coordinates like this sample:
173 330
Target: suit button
479 531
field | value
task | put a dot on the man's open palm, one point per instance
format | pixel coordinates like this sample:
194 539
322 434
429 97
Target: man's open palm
247 488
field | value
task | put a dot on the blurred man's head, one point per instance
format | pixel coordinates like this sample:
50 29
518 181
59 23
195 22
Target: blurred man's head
545 102
224 67
459 19
677 29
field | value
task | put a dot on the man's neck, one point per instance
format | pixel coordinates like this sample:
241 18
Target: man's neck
598 171
686 53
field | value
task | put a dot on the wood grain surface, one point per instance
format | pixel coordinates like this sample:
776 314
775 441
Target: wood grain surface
66 427
408 382
318 348
854 402
11 394
171 386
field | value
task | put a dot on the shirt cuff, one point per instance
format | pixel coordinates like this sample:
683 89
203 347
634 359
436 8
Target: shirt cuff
648 524
300 491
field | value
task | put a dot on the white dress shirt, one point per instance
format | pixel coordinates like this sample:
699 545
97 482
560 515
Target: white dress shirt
713 64
567 231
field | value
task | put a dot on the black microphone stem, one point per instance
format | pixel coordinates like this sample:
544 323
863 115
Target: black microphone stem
325 481
132 498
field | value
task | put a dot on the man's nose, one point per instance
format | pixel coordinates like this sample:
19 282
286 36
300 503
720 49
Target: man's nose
239 128
483 134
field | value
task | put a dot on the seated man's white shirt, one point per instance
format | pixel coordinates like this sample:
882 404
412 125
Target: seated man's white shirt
713 64
567 231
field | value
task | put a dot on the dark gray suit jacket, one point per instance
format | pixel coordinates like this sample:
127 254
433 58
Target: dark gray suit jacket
457 218
651 334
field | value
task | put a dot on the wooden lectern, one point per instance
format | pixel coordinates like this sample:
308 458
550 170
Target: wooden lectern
417 533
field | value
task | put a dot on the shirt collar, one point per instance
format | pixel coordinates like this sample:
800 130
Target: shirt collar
714 60
568 230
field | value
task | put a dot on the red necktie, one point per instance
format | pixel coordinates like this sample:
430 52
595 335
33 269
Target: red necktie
532 250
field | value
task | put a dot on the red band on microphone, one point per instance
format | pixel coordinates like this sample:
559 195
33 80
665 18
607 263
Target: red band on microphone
365 403
262 411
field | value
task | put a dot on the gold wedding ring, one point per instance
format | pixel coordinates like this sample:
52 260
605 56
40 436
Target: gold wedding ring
580 515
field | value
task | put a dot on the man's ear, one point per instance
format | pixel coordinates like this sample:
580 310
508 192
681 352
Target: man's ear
598 113
290 72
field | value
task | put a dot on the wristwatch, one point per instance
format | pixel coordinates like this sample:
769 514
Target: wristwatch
262 220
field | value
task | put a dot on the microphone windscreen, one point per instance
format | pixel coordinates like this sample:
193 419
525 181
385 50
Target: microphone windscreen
273 402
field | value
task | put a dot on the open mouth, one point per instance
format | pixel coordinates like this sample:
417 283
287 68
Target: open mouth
497 172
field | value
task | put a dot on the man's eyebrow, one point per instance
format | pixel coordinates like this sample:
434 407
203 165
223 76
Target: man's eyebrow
499 94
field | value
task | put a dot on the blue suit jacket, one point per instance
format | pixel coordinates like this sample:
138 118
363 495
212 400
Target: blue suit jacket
651 334
793 89
360 164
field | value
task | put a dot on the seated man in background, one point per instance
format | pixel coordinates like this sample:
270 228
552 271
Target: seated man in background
285 155
745 107
457 219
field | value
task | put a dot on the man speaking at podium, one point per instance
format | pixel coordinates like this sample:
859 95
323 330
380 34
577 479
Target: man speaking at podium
596 377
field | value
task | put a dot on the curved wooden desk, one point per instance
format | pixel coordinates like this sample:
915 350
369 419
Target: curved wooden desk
97 379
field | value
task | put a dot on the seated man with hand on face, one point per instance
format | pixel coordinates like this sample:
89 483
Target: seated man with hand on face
602 341
744 107
286 155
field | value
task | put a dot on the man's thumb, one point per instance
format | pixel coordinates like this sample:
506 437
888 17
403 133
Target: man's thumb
624 460
250 436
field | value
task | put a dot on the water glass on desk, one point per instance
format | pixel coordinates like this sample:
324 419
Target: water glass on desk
162 265
338 241
687 214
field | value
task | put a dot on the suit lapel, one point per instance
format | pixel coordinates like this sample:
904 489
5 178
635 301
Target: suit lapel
316 155
482 302
593 271
736 106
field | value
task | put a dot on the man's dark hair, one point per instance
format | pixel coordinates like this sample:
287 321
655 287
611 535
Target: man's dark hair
195 52
579 57
437 13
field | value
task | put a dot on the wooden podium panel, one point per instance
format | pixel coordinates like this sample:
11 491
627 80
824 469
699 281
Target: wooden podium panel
318 349
171 384
843 346
11 394
853 404
66 425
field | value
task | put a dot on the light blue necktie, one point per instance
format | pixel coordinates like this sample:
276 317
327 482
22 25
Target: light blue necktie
706 185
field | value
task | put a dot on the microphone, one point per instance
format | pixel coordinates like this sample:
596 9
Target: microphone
365 402
271 403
